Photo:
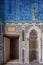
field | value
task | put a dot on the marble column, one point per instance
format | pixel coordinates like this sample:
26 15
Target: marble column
42 50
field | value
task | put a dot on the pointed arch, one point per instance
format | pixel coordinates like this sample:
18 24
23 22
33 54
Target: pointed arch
38 33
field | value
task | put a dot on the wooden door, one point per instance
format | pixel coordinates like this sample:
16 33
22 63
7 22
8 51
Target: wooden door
7 48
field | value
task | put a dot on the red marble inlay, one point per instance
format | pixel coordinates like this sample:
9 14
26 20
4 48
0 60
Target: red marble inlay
23 55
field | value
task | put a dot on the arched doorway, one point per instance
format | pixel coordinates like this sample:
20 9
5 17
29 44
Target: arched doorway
34 44
11 44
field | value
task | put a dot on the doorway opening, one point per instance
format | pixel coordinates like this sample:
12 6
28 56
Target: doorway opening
33 46
12 48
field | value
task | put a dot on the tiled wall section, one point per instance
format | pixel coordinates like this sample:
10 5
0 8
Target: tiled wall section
20 10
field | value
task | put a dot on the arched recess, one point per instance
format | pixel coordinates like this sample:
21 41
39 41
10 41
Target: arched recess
36 44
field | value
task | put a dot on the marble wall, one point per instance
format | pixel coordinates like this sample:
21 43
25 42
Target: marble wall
24 45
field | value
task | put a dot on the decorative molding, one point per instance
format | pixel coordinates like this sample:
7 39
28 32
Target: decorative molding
39 37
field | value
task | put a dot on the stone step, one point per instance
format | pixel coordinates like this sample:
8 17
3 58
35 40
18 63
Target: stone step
15 62
21 64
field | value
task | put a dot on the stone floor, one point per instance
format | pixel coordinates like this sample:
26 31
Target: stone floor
22 64
35 62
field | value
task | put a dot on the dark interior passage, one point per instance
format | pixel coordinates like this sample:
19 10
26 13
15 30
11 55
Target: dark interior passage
12 48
